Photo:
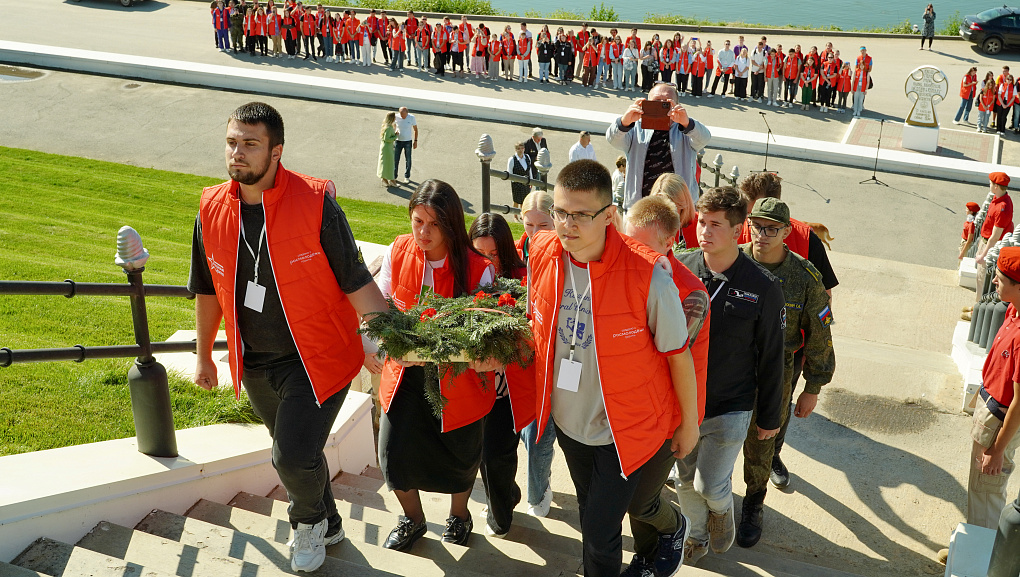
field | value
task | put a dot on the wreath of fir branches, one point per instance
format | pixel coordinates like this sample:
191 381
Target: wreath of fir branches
489 324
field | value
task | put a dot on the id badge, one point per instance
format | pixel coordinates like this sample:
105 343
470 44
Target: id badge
255 296
570 375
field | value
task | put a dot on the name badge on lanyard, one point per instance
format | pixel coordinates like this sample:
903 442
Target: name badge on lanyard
254 293
569 378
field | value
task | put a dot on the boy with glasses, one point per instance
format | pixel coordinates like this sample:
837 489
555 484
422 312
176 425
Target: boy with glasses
808 317
601 304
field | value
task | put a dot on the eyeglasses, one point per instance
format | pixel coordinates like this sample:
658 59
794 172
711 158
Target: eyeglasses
579 218
769 231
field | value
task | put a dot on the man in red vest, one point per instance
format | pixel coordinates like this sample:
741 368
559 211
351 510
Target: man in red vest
221 24
601 304
274 257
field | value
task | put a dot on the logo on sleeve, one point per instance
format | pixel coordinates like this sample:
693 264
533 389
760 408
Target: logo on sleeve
782 318
743 295
825 316
1005 354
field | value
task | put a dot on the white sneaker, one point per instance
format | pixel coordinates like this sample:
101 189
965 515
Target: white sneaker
956 122
541 509
711 95
406 180
723 96
824 109
307 547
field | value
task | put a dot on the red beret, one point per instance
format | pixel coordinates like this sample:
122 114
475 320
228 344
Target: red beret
1009 262
1000 178
973 206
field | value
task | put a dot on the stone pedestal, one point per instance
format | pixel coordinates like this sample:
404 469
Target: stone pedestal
920 138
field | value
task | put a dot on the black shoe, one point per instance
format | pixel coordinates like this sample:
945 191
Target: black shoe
779 475
404 534
639 567
749 530
457 530
670 555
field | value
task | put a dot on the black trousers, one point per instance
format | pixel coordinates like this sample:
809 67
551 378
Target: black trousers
725 82
666 74
603 496
757 84
696 84
499 466
282 397
440 62
310 47
1000 117
385 48
681 82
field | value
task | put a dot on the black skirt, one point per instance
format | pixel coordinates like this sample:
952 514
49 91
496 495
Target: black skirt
414 453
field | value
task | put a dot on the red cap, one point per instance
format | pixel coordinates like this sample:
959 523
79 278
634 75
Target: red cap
1000 178
973 207
1009 262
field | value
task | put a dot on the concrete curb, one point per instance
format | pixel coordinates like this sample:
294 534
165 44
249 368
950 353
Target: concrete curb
475 107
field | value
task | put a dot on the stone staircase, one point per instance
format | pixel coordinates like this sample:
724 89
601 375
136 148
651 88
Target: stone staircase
247 538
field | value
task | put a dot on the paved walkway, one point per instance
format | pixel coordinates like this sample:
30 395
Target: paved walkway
182 30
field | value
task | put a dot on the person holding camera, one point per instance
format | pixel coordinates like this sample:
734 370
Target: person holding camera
654 148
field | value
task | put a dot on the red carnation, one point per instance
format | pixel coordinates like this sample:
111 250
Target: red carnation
524 280
481 295
506 300
427 314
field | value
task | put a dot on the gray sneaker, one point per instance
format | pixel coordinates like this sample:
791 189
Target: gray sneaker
721 530
307 548
694 551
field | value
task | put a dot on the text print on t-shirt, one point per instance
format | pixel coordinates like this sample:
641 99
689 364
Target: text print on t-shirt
568 308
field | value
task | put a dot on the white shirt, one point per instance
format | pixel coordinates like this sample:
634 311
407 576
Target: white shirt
578 152
758 62
726 58
385 280
404 130
741 68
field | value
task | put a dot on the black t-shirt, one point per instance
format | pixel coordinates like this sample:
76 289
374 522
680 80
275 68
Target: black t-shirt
266 337
658 160
819 258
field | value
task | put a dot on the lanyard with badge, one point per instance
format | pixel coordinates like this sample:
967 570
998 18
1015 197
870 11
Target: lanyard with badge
255 294
570 370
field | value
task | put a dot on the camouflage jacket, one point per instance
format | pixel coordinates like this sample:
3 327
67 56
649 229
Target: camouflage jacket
808 317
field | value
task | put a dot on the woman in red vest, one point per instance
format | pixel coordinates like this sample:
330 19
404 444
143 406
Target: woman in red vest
667 64
986 103
808 83
290 32
417 451
495 57
843 85
968 88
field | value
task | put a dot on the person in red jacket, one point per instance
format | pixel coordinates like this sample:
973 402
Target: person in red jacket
437 255
986 105
290 27
221 26
968 88
274 28
808 83
424 44
998 221
271 246
308 29
411 29
1005 95
843 86
969 230
791 77
601 304
654 221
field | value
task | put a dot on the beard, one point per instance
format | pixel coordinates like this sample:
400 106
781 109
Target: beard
250 175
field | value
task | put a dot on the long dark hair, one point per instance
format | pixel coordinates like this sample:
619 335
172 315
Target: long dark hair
443 200
495 226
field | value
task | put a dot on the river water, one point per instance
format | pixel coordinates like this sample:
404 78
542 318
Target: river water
845 14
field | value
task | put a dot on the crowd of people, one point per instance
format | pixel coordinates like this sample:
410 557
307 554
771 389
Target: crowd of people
996 96
615 60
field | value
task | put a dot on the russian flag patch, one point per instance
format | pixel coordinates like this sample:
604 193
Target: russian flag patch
825 316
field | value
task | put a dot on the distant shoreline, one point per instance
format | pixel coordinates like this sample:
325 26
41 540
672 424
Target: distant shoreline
601 14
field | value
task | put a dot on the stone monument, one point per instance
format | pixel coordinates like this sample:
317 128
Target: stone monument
925 87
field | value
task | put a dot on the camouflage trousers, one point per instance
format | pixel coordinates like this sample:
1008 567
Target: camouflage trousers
758 453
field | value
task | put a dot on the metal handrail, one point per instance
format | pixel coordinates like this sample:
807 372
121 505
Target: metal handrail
80 353
69 288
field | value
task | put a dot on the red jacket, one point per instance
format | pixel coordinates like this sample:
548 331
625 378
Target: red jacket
641 405
967 92
221 18
774 66
809 77
424 35
986 100
687 283
308 24
791 70
327 335
467 400
273 25
845 81
523 48
496 51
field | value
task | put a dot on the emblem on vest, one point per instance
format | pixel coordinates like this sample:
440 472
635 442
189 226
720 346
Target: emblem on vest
215 266
743 295
1005 354
305 257
628 333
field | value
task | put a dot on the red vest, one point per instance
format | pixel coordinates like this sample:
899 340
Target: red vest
496 50
844 82
523 48
986 100
467 401
425 36
641 405
792 68
221 18
274 24
320 316
967 92
687 283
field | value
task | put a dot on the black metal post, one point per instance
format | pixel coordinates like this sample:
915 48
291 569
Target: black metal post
486 185
147 380
1005 560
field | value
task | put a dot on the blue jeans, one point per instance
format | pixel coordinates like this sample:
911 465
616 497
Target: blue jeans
282 397
630 78
398 62
223 38
706 473
983 116
964 110
563 71
543 70
539 459
406 146
327 46
354 49
603 74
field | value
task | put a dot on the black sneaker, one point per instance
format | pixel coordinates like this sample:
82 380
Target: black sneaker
334 533
639 567
670 555
404 534
779 475
457 530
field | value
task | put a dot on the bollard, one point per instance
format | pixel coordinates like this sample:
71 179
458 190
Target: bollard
982 336
717 164
996 317
975 321
485 153
543 162
147 380
1005 559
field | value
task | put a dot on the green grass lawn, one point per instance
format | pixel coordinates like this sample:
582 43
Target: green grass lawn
59 218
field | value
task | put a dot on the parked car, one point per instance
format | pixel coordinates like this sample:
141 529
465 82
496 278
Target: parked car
993 29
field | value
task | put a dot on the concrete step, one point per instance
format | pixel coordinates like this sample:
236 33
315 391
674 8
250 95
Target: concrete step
177 558
57 559
8 570
484 556
266 548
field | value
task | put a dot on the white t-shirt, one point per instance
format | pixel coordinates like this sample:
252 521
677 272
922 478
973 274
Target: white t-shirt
404 130
741 67
578 152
